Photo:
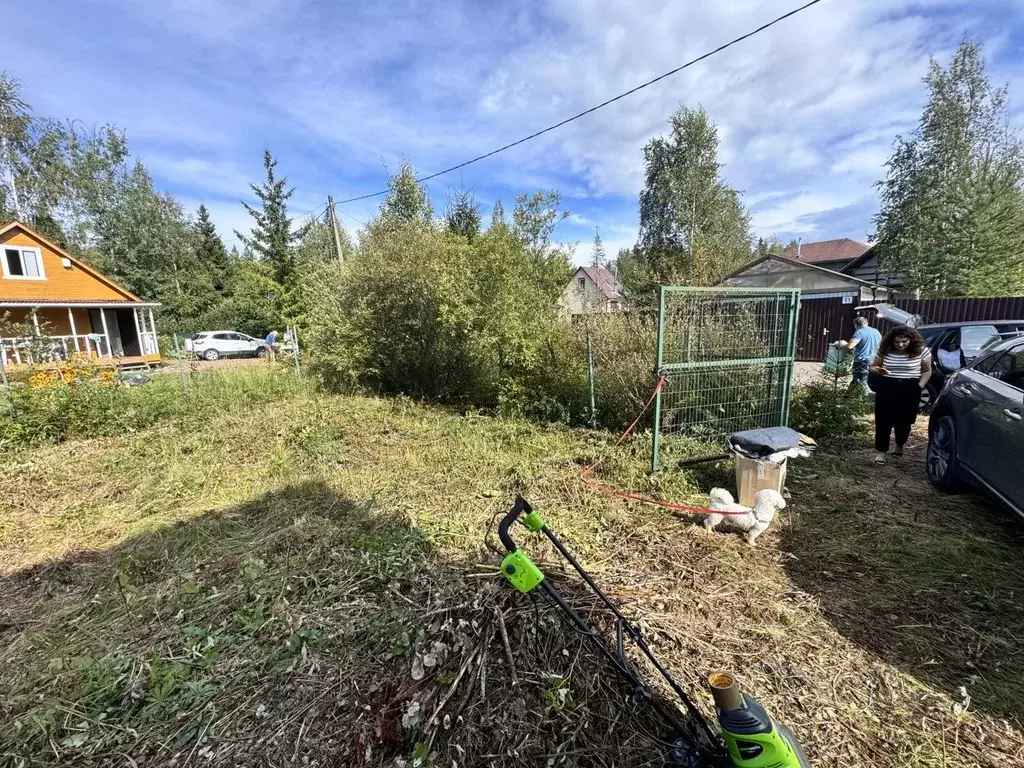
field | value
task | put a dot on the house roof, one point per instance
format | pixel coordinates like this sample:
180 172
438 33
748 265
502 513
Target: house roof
842 249
129 296
795 263
605 281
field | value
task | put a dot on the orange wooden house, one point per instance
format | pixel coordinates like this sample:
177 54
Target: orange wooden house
53 306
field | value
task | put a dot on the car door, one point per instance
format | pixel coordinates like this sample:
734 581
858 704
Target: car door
247 344
996 433
238 345
223 343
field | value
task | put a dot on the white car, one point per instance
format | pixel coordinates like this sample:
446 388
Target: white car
212 345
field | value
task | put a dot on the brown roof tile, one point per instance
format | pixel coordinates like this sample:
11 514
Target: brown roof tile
827 250
605 280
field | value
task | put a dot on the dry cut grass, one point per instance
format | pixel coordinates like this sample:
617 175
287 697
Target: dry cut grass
313 582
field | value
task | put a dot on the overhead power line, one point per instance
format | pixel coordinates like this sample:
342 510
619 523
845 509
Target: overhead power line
603 104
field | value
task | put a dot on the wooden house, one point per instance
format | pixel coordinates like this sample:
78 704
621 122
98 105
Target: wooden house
592 290
53 306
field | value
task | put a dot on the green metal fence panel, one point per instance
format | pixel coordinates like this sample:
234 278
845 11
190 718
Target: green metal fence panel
727 357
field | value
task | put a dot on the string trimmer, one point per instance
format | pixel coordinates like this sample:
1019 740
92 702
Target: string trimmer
749 737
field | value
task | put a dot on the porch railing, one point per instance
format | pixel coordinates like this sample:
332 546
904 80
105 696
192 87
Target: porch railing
148 343
49 349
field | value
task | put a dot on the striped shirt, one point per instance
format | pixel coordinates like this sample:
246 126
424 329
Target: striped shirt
900 365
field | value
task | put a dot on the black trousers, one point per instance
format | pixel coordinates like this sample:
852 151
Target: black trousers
897 402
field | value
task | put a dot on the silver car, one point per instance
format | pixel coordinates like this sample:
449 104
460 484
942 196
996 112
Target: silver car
212 345
976 428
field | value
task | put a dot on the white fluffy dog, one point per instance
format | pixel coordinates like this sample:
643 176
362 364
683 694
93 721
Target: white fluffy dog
752 521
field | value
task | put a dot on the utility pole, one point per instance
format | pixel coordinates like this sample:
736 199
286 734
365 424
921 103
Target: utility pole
335 228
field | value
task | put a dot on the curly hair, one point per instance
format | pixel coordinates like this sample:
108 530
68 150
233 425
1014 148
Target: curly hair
915 348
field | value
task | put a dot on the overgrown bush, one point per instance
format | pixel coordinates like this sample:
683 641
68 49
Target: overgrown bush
827 407
51 409
436 315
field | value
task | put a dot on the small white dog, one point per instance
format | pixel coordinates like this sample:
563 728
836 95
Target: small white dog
753 521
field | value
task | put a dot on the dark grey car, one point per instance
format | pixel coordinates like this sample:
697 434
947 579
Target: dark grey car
976 428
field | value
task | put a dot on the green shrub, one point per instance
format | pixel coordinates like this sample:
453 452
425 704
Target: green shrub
827 407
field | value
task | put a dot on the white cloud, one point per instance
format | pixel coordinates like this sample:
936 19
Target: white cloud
806 110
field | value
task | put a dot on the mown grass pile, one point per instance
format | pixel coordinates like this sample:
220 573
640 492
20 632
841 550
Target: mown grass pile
312 582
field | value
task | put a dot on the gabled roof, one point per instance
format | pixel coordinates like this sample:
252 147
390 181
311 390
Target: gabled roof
842 249
15 224
605 281
795 263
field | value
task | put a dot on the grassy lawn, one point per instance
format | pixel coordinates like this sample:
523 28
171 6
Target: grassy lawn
311 580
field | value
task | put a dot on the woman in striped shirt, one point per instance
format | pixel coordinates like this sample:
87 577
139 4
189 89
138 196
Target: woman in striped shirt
902 367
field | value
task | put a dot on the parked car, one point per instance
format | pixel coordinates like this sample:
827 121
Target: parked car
956 345
212 345
976 428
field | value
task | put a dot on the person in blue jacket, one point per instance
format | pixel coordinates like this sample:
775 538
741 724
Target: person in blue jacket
271 344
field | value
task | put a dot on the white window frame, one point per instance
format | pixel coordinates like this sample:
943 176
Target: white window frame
581 283
21 249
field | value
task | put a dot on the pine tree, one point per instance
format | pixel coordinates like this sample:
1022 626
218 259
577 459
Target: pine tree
463 217
210 250
693 227
952 203
272 239
598 258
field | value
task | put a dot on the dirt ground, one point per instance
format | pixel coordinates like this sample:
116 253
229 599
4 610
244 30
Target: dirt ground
804 373
225 363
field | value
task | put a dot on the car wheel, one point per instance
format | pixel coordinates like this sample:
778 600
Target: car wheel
259 352
928 395
940 460
211 355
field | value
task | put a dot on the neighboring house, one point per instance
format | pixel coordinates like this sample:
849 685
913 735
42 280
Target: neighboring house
52 306
828 299
592 290
849 257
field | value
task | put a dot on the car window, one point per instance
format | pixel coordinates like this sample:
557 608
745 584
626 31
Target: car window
984 364
222 336
973 338
1009 367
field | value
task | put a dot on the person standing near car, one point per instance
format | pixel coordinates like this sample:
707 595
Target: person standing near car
902 368
271 344
864 343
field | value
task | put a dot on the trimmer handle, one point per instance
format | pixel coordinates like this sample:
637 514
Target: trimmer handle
521 506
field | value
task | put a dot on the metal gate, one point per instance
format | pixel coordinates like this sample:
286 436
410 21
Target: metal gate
727 357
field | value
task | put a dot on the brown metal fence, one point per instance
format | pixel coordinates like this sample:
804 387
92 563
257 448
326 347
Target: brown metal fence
823 321
963 309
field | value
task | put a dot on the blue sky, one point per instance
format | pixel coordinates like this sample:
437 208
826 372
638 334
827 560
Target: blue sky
342 92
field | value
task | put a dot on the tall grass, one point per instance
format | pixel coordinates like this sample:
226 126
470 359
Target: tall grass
33 415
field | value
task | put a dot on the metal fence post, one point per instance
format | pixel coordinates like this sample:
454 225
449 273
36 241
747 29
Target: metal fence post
655 440
590 374
181 367
794 319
